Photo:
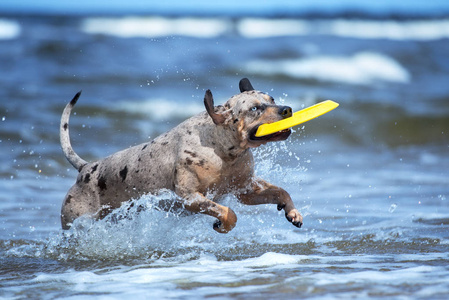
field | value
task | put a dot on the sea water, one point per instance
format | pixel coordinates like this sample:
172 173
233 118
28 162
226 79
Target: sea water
370 178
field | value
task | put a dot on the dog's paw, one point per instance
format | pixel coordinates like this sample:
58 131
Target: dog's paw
221 228
226 222
294 217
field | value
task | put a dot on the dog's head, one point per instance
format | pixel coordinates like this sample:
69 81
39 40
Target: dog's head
245 112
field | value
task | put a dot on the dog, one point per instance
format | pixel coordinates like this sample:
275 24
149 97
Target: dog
208 153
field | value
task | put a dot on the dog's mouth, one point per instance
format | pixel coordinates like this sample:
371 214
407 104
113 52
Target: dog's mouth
274 137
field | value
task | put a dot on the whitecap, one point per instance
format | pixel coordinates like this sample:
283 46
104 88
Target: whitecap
422 30
394 30
154 27
161 109
361 68
265 28
9 29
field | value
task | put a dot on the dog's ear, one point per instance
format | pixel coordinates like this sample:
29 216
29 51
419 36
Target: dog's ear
209 104
245 85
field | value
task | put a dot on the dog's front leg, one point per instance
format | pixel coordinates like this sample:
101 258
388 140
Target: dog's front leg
262 192
197 203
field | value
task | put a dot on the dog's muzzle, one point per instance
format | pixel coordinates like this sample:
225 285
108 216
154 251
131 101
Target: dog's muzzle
284 112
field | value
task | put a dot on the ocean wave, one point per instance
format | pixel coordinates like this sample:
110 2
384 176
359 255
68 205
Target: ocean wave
9 29
361 68
162 109
154 27
424 30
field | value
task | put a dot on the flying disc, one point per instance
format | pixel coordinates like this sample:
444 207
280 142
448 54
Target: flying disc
298 117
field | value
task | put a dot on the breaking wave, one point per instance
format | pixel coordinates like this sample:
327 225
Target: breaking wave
155 27
361 29
9 29
361 68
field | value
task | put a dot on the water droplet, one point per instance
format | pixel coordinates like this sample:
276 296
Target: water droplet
4 118
392 208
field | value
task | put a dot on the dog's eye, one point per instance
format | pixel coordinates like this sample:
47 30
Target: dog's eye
254 108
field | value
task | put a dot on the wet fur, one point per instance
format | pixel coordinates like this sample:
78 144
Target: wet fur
207 154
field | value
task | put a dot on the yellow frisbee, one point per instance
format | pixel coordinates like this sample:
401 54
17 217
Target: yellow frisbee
298 117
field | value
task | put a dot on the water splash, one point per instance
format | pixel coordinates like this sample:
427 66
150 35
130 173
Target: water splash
392 208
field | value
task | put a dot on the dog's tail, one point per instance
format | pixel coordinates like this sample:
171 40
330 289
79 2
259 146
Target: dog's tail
71 156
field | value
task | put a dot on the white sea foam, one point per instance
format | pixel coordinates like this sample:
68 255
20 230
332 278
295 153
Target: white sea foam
361 68
154 27
162 109
361 29
206 276
9 29
265 28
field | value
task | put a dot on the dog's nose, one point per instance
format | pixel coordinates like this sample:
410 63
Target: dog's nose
285 111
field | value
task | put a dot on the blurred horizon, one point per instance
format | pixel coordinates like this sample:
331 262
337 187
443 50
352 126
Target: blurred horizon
230 8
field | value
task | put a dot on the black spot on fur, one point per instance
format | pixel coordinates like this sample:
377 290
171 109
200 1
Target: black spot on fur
192 154
189 132
164 143
66 126
231 148
94 168
123 173
69 198
236 120
201 163
144 147
102 183
87 178
189 161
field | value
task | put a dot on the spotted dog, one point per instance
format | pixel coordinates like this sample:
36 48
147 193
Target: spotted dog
208 154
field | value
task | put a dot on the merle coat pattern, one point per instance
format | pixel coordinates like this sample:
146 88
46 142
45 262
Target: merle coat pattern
208 154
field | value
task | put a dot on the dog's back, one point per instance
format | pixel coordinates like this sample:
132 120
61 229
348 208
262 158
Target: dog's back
204 156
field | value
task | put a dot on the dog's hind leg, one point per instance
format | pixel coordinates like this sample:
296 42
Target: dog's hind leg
227 219
262 192
74 206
